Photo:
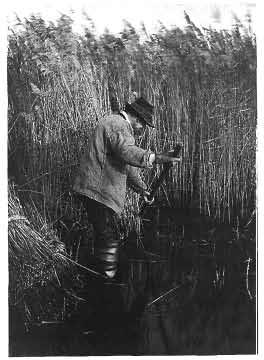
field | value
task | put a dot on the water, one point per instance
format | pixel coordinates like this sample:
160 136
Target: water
189 289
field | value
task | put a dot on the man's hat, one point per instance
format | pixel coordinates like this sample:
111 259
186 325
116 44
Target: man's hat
143 109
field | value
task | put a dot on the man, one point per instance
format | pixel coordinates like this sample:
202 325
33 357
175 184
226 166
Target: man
110 162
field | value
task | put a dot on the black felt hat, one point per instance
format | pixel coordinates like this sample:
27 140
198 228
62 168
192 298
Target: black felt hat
143 109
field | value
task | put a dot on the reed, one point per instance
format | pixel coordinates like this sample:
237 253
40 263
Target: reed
201 81
37 262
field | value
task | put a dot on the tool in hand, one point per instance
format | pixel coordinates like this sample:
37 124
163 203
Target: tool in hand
166 167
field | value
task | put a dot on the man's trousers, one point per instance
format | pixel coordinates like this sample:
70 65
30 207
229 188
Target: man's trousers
107 239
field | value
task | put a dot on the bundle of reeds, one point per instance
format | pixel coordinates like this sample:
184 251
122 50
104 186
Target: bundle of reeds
37 259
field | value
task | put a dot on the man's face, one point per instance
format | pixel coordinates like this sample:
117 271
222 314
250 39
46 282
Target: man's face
138 126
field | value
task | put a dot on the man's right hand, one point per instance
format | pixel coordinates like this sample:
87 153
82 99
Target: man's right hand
146 197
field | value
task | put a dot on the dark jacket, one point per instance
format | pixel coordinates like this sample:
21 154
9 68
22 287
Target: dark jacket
109 162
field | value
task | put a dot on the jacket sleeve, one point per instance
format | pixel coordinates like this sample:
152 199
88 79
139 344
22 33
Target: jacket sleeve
122 143
134 180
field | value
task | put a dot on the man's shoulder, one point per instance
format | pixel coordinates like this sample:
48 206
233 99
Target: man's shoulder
112 118
114 122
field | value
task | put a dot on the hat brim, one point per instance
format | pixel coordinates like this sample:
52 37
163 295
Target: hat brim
144 117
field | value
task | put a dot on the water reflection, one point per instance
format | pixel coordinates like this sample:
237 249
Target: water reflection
189 289
200 300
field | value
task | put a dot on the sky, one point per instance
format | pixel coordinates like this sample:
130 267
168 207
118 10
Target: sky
110 13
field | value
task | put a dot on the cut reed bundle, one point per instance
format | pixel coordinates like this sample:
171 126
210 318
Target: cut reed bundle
36 259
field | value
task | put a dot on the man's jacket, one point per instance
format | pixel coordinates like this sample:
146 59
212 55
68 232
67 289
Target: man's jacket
110 162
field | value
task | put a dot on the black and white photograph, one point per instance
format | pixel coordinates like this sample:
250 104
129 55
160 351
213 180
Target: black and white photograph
131 179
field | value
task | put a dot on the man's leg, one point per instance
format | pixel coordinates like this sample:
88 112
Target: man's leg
106 247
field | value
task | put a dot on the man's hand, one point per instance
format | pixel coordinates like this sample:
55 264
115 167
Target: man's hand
166 158
146 197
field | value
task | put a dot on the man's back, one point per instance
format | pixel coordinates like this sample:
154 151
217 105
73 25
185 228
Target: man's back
102 174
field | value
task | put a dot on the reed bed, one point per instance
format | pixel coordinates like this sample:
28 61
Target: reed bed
202 83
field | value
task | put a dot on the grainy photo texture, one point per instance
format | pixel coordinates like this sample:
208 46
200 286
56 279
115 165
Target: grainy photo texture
132 179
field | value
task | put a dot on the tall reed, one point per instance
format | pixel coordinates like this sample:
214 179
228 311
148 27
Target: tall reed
202 83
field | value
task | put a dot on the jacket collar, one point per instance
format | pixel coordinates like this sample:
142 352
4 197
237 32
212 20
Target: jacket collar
124 115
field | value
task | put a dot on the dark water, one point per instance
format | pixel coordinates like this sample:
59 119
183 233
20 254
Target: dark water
187 287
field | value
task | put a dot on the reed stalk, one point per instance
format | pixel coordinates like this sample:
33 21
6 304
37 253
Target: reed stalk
202 83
